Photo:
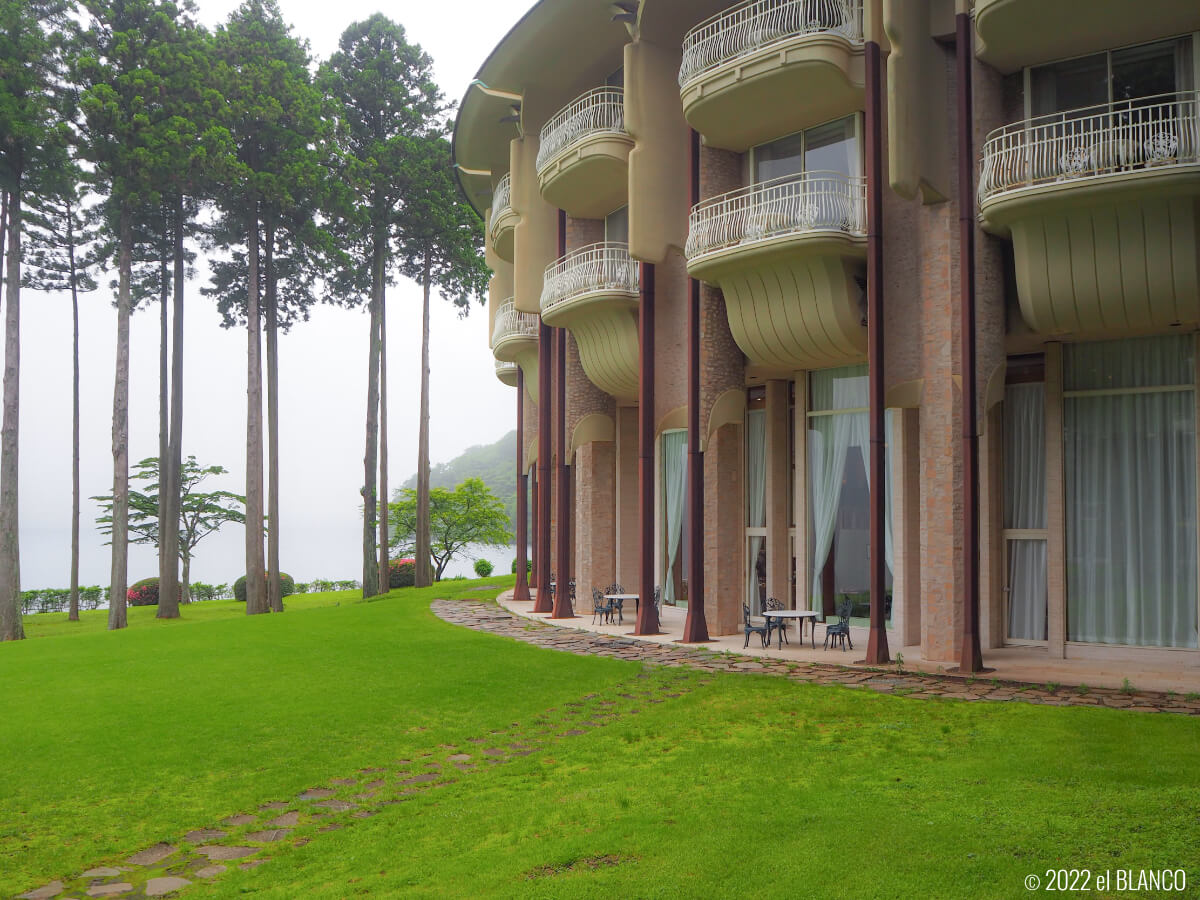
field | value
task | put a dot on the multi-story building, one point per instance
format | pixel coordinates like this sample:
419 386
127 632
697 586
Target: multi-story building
736 250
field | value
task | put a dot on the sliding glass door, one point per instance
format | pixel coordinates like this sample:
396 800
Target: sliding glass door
1025 510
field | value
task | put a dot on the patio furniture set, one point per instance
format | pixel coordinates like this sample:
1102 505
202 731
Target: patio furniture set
775 617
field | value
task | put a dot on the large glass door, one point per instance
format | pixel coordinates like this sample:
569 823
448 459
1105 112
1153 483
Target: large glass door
1025 501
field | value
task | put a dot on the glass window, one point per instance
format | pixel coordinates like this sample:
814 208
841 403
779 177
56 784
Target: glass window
1129 443
1147 70
616 226
831 147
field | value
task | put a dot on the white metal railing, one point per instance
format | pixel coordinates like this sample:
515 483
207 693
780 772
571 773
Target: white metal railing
501 199
597 111
812 201
598 267
755 24
509 323
505 368
1122 136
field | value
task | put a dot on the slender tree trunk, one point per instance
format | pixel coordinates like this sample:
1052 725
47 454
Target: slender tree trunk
11 628
186 587
422 574
384 573
168 587
3 233
274 587
73 610
370 457
256 582
164 419
119 581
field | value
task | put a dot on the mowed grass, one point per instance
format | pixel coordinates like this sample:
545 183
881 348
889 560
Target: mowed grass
737 786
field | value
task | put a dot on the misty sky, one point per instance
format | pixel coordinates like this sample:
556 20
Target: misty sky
322 370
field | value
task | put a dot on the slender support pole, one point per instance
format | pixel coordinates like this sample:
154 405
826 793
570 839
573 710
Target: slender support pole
543 604
647 620
877 642
972 655
533 530
521 591
562 592
695 627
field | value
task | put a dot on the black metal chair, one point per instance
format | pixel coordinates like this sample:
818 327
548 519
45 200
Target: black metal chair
553 583
618 605
774 623
571 590
602 607
762 631
657 600
839 631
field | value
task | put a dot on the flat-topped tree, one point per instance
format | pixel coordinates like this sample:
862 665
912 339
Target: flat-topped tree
123 121
441 243
386 95
62 256
32 33
268 194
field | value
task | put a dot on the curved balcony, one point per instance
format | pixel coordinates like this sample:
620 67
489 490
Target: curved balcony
789 256
744 68
593 292
515 340
506 372
503 219
583 155
1101 204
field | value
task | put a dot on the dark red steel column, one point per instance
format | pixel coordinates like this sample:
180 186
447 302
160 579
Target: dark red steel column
533 530
521 591
877 642
972 655
647 620
543 604
562 592
695 627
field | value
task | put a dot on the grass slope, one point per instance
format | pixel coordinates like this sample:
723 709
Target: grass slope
728 786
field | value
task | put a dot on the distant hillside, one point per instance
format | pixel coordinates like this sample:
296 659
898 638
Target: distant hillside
495 464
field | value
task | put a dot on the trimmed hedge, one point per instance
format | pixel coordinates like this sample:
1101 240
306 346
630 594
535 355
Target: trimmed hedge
145 592
528 566
401 573
483 568
287 584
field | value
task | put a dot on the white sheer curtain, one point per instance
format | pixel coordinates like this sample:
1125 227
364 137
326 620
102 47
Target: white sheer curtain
674 462
829 437
1025 507
1131 492
756 490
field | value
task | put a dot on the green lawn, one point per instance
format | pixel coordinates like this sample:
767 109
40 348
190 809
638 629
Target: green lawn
697 785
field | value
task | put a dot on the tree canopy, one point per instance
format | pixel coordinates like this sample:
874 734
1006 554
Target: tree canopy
469 514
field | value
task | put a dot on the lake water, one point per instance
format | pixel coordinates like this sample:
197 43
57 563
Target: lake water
501 559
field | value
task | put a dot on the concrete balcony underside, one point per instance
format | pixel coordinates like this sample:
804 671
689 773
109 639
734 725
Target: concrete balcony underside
590 178
755 98
604 324
506 372
793 301
1108 255
503 226
1016 33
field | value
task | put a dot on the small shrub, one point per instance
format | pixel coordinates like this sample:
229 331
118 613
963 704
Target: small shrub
145 592
286 582
402 573
301 587
1127 687
483 568
528 566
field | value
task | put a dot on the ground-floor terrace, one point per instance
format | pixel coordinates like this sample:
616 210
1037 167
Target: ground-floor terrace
1087 512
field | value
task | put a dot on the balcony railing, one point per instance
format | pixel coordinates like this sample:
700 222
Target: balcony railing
751 26
510 323
1124 136
601 110
599 267
504 369
813 201
501 199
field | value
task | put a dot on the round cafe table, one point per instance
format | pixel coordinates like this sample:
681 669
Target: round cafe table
798 614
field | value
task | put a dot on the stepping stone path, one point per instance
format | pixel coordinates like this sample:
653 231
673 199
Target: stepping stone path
166 867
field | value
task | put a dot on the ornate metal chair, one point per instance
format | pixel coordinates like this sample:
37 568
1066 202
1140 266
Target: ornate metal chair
602 607
772 623
839 631
618 605
763 631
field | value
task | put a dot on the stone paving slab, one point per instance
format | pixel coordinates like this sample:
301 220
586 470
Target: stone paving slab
151 855
160 887
481 616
